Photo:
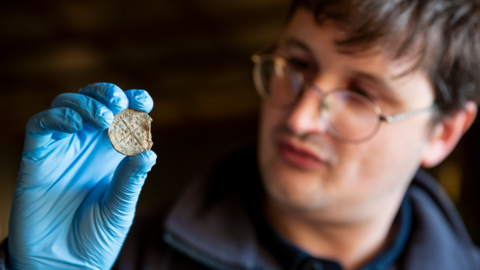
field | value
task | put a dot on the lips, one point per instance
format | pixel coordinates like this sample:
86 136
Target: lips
299 156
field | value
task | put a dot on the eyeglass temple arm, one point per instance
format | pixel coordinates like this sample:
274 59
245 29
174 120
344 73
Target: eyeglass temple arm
405 115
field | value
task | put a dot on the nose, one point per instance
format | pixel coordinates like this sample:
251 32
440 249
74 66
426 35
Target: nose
305 118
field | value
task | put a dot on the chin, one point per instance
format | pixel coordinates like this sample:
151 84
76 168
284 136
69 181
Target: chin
294 189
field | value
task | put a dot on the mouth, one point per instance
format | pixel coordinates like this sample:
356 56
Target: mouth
299 156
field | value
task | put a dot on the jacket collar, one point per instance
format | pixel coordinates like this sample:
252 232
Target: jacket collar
438 239
223 237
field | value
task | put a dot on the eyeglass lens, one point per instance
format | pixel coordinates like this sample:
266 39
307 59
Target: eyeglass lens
350 116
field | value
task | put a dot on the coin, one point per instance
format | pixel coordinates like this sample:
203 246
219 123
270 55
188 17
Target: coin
130 132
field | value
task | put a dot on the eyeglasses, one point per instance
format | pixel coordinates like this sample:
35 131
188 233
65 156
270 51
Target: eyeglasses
350 116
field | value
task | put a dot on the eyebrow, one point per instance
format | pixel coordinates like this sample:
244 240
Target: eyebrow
293 42
374 79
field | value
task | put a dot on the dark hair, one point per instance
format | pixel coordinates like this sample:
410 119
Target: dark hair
443 34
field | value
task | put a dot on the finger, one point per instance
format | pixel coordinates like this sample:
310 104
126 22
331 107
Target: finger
92 111
121 197
108 94
41 126
60 135
139 100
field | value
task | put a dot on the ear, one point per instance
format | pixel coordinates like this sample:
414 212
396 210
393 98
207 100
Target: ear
447 133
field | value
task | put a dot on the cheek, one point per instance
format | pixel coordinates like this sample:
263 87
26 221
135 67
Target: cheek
388 161
270 119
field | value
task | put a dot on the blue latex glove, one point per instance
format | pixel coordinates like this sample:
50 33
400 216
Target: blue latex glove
75 196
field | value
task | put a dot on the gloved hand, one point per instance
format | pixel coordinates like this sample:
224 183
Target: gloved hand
75 197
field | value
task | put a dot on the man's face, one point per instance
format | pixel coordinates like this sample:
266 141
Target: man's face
305 169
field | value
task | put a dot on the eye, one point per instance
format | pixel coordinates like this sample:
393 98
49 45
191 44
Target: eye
361 91
299 65
308 69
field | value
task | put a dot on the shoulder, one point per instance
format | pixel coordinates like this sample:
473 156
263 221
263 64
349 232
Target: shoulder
438 232
145 237
145 247
477 256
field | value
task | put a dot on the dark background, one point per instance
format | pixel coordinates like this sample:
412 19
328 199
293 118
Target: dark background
194 59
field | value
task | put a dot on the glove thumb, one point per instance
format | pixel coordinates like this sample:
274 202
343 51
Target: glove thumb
122 195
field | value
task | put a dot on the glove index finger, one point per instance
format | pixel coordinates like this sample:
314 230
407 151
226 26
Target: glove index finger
92 111
41 126
52 120
108 94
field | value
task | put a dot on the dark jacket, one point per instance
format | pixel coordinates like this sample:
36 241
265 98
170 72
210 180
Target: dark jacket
209 227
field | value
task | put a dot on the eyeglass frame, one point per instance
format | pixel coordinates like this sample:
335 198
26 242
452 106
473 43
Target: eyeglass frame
257 58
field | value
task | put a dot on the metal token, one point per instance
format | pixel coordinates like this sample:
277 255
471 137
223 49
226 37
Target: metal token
130 132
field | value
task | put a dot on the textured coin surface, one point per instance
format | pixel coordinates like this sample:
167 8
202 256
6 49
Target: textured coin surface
130 132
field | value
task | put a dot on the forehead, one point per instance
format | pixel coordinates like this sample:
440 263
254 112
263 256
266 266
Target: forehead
303 36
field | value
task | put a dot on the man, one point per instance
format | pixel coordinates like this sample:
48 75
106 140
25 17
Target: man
357 96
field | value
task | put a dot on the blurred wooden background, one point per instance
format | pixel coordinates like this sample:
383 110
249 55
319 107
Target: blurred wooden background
194 59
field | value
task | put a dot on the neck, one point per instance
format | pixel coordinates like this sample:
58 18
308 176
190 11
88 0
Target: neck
351 243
